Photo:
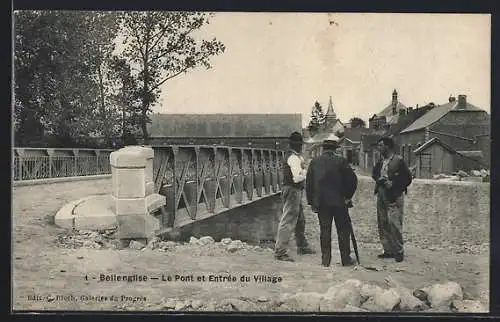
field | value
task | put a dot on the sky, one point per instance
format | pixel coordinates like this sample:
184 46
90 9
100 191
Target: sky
284 62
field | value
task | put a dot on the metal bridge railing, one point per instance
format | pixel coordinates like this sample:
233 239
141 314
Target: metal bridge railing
205 179
35 164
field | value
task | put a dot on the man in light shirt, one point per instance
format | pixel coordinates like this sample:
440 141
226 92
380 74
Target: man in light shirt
292 219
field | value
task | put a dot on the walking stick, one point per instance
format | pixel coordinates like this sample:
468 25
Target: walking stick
353 238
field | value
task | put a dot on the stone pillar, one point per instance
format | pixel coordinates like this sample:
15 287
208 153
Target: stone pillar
134 202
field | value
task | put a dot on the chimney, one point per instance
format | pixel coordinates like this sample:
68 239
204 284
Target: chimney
462 101
451 99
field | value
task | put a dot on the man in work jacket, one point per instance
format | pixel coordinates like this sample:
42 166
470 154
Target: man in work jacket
330 185
292 218
392 177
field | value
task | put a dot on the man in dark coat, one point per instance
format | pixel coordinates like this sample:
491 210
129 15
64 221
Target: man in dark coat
293 219
392 177
330 185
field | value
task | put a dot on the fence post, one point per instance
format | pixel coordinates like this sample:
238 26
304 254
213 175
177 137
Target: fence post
97 156
50 153
75 162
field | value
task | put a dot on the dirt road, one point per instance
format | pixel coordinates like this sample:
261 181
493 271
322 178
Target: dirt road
46 276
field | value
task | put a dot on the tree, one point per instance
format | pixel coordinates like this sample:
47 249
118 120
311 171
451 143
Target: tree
317 118
59 59
160 46
357 122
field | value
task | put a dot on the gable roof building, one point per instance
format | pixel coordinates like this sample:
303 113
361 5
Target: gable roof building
224 125
435 114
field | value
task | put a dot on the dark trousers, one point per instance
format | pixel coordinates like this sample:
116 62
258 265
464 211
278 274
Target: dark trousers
342 223
390 223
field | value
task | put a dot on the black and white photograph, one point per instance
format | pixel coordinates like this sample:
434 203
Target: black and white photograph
311 162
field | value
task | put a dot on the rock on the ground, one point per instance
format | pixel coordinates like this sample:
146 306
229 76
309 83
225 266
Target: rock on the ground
153 243
408 301
468 306
262 299
206 240
170 304
444 294
383 301
196 304
193 241
351 308
369 290
238 305
308 301
234 246
134 244
211 307
340 295
226 241
182 305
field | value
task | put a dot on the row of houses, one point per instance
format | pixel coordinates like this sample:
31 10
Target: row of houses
443 138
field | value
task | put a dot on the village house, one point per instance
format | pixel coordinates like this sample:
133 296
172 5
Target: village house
389 122
459 126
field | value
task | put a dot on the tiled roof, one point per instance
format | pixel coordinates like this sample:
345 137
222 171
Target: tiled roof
431 142
387 112
354 133
224 125
436 114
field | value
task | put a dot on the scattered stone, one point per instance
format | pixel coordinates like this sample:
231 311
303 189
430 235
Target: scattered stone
338 296
134 244
226 241
262 299
170 304
210 307
153 243
408 301
308 302
182 305
444 294
383 301
240 305
193 241
369 290
422 295
196 304
234 246
352 308
468 306
206 240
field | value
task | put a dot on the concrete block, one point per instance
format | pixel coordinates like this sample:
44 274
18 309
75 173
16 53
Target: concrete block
131 226
154 202
132 206
124 158
129 183
97 221
152 226
150 188
64 217
149 169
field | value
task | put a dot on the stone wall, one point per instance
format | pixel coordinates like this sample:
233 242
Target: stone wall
437 213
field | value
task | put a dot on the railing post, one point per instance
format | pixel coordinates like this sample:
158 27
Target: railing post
97 156
75 162
50 153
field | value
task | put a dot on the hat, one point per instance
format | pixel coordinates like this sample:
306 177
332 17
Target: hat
296 137
331 141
